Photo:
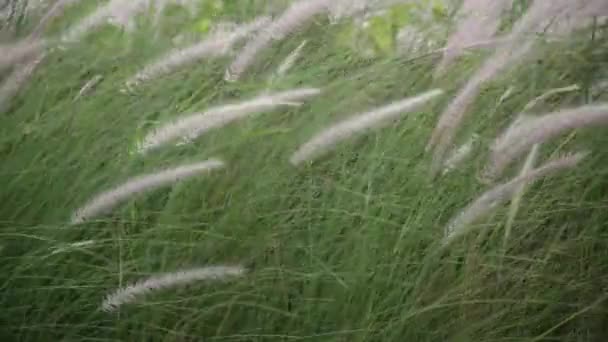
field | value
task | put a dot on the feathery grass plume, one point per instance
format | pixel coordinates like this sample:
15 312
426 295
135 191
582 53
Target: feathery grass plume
133 292
194 125
459 155
358 124
14 53
480 21
514 50
17 78
107 200
297 15
494 197
522 119
217 44
119 12
55 11
520 138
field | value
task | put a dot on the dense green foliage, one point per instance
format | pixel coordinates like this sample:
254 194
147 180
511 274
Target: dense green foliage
346 249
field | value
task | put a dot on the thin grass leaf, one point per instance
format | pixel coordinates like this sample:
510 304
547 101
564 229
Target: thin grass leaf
519 194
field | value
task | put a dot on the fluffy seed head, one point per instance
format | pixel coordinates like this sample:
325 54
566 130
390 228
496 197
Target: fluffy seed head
133 292
194 125
328 138
107 200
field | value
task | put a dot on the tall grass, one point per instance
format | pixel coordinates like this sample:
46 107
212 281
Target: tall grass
348 248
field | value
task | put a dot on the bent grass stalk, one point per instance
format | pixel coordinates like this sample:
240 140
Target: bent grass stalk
328 138
216 45
497 195
108 200
297 15
192 126
133 292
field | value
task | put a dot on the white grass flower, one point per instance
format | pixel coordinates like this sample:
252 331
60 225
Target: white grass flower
17 78
494 197
217 44
520 138
132 293
192 126
117 12
55 11
555 91
453 115
297 15
516 47
328 138
17 52
480 21
107 200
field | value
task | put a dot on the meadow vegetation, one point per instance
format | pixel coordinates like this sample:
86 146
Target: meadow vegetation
157 184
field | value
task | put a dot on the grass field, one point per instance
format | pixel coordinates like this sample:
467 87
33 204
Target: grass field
345 249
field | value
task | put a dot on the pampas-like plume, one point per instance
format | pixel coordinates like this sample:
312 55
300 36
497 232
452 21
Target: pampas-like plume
16 80
533 130
132 293
194 125
480 22
55 11
296 16
121 11
106 201
328 138
514 50
503 192
117 12
13 53
217 44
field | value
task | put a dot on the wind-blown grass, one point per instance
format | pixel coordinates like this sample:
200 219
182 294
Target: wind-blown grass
132 292
296 16
107 200
190 127
535 130
492 198
217 44
324 141
348 249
